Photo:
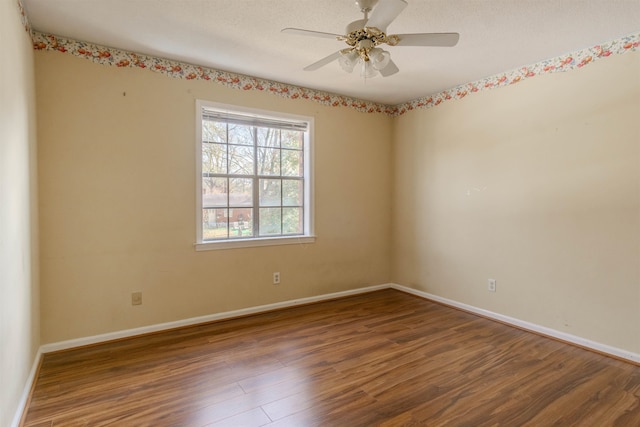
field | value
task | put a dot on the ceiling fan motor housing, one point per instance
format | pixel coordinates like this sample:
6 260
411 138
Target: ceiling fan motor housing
355 25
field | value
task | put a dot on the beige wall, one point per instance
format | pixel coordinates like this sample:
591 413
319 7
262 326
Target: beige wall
117 201
19 313
536 185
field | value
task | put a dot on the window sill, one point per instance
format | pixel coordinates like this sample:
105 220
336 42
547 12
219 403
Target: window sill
250 243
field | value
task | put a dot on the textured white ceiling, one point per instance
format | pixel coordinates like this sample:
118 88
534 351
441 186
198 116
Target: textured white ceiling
243 36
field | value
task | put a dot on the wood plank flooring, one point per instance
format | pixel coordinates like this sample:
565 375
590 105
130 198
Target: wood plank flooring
380 359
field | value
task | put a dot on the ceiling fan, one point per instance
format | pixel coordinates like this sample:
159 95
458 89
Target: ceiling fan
365 35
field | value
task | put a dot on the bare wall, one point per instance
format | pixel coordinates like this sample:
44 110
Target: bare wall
536 185
19 312
117 201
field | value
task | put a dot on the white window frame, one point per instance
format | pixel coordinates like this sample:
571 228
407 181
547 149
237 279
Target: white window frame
308 232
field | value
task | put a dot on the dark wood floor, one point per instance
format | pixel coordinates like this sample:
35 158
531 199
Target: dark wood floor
384 358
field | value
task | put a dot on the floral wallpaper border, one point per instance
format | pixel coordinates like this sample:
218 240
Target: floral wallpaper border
119 58
24 18
571 61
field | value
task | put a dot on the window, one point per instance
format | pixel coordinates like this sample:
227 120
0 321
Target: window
254 177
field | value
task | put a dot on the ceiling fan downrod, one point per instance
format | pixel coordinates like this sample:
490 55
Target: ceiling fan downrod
366 6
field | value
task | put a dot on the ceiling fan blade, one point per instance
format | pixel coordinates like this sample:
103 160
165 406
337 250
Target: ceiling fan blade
385 12
309 33
389 70
429 39
324 61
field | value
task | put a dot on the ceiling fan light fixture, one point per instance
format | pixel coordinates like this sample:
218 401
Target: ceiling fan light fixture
367 71
348 59
379 58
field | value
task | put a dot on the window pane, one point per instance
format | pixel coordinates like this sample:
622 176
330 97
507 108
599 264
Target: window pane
270 221
268 161
291 192
214 131
292 139
240 134
214 224
268 137
254 181
240 160
241 193
270 192
240 223
292 221
292 164
214 192
214 158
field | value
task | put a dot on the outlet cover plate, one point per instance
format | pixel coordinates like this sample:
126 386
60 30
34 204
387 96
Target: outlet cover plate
136 298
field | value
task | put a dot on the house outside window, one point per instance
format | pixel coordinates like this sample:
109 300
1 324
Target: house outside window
253 177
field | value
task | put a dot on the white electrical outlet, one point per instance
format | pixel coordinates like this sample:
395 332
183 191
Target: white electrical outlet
491 285
276 278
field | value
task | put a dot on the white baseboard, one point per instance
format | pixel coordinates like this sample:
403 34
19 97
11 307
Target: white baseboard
64 345
22 404
542 330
